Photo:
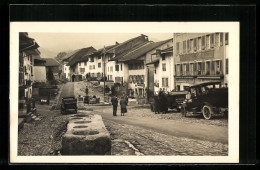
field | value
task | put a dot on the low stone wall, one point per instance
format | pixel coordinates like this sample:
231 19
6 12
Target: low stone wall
86 135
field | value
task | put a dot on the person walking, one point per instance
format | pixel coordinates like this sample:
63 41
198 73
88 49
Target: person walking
123 106
114 102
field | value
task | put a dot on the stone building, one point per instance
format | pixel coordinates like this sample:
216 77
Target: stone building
200 57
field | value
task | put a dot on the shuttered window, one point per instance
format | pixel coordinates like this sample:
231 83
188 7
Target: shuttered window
226 38
203 42
164 82
221 39
212 41
226 66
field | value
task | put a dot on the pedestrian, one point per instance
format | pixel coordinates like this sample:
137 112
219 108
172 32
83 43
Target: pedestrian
162 102
114 102
126 99
123 106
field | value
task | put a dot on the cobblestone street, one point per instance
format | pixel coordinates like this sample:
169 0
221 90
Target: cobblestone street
42 136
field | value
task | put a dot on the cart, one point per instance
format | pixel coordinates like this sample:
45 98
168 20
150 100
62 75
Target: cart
69 104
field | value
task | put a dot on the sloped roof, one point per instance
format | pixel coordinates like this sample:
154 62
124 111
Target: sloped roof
69 54
122 55
134 54
51 62
125 42
81 54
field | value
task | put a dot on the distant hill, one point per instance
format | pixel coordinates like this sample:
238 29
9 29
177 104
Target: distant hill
47 53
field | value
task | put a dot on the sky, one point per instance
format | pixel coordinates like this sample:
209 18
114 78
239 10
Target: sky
58 42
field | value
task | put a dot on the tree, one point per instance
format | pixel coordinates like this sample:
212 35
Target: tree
50 76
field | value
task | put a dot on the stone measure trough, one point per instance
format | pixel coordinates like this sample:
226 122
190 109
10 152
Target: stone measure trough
86 135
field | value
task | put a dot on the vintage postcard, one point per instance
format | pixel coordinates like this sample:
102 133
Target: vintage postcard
124 92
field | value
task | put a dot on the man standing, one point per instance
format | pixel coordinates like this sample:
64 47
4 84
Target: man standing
114 102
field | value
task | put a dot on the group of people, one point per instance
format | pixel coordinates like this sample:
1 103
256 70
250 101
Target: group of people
123 104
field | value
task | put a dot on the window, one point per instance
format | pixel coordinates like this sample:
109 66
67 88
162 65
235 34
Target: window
111 69
93 67
227 66
117 68
195 44
217 39
65 68
164 67
212 67
73 69
180 69
207 42
163 56
184 46
203 68
199 68
187 69
107 69
121 67
191 68
92 59
212 40
99 65
85 63
82 70
221 39
207 68
90 67
203 41
177 47
99 57
199 43
191 44
79 63
218 67
226 38
188 45
164 82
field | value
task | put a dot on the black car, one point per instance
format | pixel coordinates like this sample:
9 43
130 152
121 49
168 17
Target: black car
208 98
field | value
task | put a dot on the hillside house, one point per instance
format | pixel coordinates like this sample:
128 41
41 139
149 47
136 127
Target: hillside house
54 66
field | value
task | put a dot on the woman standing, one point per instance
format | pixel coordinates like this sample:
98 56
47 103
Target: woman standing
123 106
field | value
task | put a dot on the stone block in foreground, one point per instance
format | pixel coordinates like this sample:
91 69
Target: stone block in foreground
86 135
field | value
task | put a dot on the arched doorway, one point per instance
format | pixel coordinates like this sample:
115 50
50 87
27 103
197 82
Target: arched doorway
73 78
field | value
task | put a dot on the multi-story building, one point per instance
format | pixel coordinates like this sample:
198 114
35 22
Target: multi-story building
200 57
136 72
117 70
27 51
163 70
80 64
39 69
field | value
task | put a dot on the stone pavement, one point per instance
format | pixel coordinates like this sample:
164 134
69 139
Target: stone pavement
148 142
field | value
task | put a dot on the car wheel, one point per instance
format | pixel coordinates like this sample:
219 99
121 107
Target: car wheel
207 112
183 111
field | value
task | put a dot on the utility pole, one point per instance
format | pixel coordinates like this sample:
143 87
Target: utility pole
104 77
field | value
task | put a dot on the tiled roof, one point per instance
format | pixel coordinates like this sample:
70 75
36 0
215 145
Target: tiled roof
81 54
125 42
126 52
51 62
134 54
68 55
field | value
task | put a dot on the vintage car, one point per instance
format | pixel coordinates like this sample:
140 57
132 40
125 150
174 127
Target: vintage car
173 100
68 104
207 98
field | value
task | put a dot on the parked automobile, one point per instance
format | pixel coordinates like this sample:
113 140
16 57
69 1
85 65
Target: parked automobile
207 98
68 104
172 100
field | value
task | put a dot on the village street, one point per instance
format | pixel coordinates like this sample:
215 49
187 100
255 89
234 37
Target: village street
139 132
